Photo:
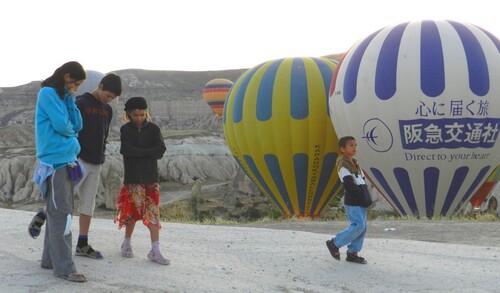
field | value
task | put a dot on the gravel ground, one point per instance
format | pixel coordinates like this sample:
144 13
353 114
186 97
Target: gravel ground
472 232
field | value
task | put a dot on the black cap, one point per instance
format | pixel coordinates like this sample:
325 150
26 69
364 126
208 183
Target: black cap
136 103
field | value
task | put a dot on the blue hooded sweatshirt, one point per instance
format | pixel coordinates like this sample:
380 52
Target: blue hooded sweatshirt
57 123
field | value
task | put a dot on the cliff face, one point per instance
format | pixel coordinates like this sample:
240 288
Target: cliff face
206 158
174 97
175 103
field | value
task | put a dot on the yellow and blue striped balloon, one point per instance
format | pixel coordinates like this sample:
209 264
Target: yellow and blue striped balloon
277 126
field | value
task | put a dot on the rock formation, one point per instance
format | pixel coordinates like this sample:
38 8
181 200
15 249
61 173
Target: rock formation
203 157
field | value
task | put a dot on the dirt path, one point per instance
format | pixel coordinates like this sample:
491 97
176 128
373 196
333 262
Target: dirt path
471 232
445 231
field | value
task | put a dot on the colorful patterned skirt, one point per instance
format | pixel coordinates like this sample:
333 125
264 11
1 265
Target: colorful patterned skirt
138 202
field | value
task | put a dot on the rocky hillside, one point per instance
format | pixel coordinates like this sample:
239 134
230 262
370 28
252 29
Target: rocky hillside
176 104
206 158
175 100
196 149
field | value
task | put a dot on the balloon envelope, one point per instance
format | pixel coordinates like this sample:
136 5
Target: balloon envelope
90 83
215 93
482 193
277 126
423 98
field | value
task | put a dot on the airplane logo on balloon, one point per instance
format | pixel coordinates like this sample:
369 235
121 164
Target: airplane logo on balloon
370 136
378 135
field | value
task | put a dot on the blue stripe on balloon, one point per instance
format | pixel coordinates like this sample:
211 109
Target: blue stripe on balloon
299 94
404 182
456 183
352 71
265 92
387 63
479 79
431 179
383 183
326 74
300 168
337 187
432 75
479 179
494 39
240 95
325 175
255 172
273 166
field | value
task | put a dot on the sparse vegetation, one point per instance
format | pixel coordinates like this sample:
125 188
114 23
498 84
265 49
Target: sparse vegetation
211 210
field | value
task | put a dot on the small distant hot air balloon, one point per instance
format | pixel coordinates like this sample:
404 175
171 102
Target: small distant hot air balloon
482 193
277 126
90 83
423 99
215 93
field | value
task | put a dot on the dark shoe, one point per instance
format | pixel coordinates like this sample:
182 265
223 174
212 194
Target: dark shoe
35 227
75 277
354 257
334 250
88 251
47 267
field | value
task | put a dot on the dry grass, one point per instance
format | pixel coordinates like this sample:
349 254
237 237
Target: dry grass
176 212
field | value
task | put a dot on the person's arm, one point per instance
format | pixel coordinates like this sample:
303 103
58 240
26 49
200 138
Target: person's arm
349 182
159 149
57 112
106 132
127 149
74 113
352 187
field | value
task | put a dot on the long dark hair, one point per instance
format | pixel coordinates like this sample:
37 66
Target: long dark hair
56 80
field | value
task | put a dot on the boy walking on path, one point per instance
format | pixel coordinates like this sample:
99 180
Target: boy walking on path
356 199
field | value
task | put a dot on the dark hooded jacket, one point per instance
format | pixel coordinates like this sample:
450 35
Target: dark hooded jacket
355 190
141 149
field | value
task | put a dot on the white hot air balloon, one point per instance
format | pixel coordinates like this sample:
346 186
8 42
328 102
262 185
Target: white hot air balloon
423 100
90 83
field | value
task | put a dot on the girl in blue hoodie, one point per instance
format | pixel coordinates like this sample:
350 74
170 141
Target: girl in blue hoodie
57 123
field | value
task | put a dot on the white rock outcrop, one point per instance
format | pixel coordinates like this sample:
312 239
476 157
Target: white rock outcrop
187 158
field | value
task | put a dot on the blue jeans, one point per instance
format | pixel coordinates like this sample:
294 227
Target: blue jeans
354 235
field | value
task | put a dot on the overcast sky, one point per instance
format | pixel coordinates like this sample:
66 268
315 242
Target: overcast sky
191 35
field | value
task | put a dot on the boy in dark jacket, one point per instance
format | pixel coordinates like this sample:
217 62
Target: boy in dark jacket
356 200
